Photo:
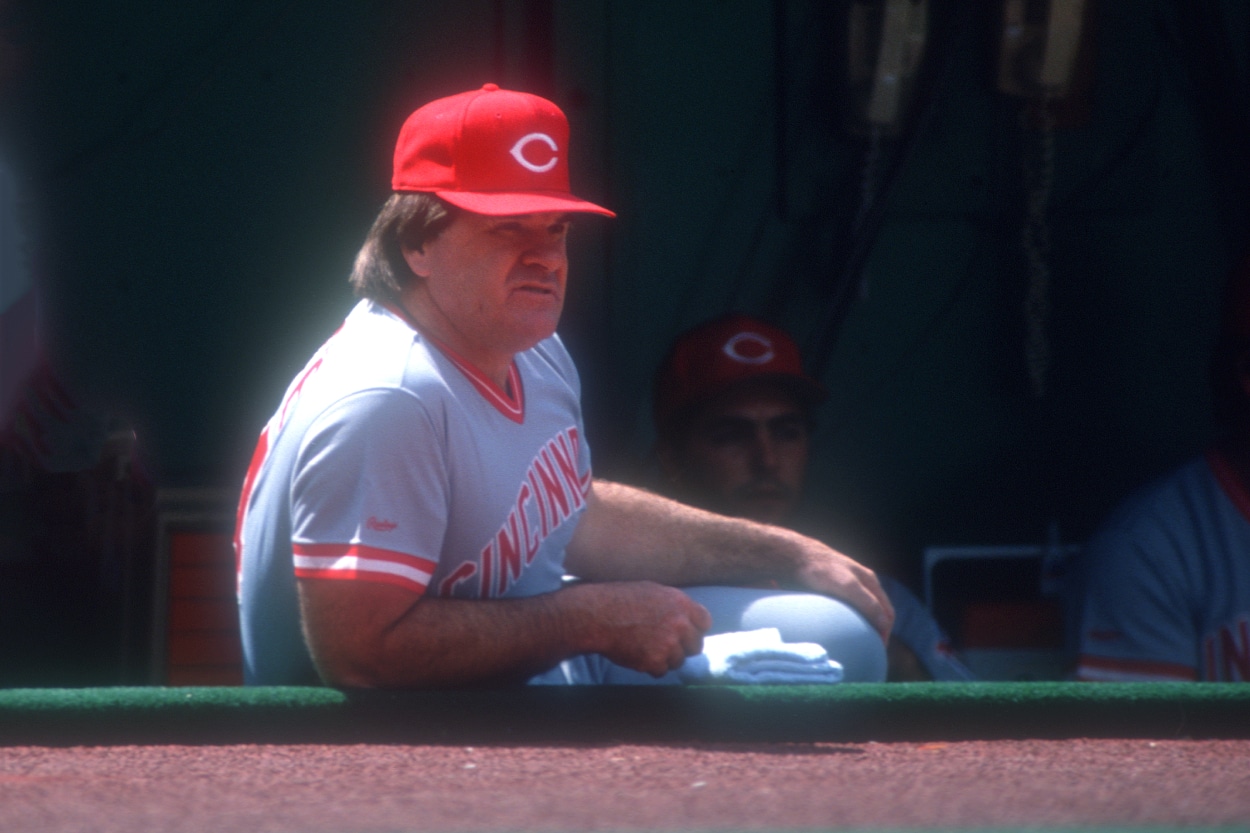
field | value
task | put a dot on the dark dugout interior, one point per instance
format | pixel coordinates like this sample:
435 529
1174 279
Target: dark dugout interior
1012 302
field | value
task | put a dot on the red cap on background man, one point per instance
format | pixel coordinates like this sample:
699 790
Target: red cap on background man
489 151
712 357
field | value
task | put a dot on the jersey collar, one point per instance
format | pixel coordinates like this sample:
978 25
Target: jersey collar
510 402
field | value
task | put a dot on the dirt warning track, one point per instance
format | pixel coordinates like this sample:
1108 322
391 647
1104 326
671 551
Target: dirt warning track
661 787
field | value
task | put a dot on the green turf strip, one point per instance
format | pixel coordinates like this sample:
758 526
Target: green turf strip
838 713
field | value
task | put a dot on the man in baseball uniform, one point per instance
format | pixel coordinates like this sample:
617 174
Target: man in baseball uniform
1167 577
425 484
733 411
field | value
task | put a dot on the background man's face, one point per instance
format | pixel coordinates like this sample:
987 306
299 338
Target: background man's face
745 454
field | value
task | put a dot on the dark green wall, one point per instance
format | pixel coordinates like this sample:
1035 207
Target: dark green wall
207 171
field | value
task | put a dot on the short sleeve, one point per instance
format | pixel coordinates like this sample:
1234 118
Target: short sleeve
1136 623
369 494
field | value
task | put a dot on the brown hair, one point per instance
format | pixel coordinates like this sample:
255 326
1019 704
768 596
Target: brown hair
406 220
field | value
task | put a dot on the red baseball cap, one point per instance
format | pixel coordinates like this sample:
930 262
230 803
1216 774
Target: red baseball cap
712 357
489 151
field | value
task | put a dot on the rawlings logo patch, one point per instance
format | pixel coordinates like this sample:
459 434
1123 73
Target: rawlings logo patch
380 525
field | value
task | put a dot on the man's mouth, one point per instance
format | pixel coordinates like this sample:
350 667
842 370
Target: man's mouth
538 286
763 492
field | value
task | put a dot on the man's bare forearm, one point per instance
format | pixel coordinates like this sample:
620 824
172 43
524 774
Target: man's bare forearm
374 635
629 534
633 534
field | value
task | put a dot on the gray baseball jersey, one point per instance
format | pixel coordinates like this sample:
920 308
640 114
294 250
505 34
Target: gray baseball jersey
1167 586
392 460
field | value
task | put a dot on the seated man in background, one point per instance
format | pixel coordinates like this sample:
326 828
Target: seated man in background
733 416
1166 590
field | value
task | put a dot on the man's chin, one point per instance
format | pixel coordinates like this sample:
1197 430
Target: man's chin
527 331
769 510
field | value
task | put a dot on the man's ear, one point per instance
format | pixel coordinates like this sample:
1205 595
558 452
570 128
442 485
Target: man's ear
417 260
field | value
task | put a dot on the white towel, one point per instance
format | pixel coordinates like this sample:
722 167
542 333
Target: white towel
759 657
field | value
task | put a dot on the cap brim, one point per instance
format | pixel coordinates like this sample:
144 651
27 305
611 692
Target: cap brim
531 202
807 390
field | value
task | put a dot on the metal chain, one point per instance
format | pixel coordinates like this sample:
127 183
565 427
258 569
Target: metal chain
868 191
1039 175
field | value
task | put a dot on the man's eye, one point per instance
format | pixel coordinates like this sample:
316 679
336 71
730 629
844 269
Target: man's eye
729 435
790 430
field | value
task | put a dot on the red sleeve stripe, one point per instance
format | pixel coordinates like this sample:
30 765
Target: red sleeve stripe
1110 669
353 561
350 568
362 575
365 552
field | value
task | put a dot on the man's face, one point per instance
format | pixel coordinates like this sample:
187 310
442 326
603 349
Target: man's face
745 454
491 286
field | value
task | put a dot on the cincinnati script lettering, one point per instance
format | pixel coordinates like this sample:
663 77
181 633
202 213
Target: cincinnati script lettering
551 492
1227 652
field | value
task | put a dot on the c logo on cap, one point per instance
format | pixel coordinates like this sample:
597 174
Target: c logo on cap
518 152
749 348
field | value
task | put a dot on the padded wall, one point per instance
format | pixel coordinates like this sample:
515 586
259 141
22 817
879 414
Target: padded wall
206 172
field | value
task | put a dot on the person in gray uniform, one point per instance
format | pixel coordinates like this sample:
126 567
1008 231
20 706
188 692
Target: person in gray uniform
1165 580
416 499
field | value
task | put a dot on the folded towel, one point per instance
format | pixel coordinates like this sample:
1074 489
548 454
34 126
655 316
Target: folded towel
759 657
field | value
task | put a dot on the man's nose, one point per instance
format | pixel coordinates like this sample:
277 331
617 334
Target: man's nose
764 451
548 252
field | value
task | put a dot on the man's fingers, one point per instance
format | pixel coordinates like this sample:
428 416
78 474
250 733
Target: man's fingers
653 627
692 642
676 657
884 619
701 619
858 586
876 608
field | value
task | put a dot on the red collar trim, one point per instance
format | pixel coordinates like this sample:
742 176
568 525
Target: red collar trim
511 406
1227 477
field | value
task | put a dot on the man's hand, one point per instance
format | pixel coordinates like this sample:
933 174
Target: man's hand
627 534
363 634
825 570
642 625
